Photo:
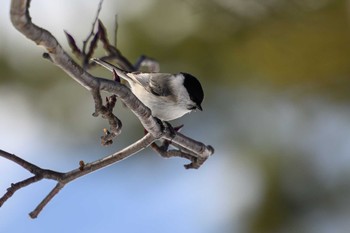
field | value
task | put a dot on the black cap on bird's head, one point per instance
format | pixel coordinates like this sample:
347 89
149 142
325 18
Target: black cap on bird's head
194 89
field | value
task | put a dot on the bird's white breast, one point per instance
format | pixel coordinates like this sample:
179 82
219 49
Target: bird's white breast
163 107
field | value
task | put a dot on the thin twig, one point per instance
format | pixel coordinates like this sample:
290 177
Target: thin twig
14 187
116 26
46 200
93 26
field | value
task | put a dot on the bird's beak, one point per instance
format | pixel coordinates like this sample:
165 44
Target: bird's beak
199 107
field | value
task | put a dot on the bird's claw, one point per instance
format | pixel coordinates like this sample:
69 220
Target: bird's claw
169 128
166 127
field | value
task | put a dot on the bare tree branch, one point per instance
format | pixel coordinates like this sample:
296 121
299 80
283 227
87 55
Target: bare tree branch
188 148
64 178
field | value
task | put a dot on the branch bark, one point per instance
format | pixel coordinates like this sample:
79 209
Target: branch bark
191 149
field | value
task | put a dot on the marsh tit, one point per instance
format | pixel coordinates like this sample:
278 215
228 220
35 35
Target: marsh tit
168 96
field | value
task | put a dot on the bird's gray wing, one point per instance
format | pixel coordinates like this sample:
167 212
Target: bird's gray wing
156 83
160 84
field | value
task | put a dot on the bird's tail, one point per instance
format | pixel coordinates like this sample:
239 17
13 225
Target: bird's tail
121 73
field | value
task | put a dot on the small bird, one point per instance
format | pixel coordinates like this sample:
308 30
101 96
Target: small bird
168 96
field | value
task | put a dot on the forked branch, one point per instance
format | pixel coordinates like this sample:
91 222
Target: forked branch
64 178
187 148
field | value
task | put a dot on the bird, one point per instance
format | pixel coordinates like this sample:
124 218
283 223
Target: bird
168 96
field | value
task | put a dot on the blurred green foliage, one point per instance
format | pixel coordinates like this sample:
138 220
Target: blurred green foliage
310 50
288 47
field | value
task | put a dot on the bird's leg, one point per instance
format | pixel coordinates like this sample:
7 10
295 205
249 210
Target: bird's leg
170 128
166 127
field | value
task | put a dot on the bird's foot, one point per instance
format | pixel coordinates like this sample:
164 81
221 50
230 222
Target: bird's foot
166 127
169 128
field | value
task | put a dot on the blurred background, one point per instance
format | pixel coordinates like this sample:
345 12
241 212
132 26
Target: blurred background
276 78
